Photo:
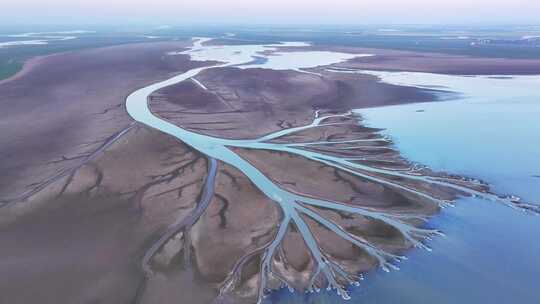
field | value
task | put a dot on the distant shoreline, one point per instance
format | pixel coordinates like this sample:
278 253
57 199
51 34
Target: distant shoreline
26 66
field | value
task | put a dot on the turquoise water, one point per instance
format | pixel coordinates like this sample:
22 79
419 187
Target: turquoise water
492 132
498 142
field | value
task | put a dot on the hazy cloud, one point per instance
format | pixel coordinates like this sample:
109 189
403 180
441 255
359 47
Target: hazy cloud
275 11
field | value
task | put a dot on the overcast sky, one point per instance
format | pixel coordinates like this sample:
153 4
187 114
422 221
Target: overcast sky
270 11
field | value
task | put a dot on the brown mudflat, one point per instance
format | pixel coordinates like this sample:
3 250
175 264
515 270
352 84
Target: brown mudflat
242 103
67 101
87 194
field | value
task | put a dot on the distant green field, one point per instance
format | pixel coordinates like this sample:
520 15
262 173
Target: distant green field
12 58
9 68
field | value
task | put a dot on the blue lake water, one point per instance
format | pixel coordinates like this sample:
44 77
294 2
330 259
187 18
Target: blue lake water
490 253
492 132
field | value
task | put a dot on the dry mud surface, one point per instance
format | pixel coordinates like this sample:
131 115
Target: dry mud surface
248 103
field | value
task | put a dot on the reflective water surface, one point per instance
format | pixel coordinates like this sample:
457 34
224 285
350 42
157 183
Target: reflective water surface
490 253
491 132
